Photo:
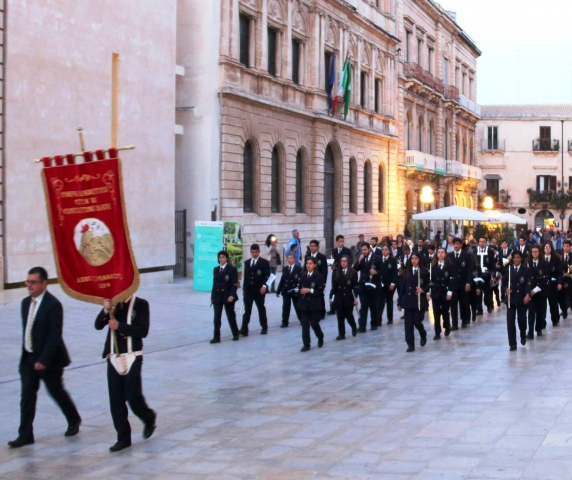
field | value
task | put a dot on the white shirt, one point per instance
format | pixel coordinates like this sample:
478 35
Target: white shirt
30 321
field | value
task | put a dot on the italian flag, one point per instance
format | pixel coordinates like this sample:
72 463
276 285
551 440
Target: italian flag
345 89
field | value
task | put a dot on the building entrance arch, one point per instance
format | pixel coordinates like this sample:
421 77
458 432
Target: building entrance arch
543 219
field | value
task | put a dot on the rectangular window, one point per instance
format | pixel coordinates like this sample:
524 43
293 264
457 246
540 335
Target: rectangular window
463 84
457 70
492 138
272 52
546 183
430 53
545 139
407 45
244 27
363 89
378 96
471 92
419 47
327 68
296 62
446 71
493 187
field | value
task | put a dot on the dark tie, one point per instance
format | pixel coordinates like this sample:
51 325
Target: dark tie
345 271
221 269
566 258
535 264
440 267
457 255
516 271
291 268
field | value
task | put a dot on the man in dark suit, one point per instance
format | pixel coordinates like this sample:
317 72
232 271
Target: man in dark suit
420 248
129 322
321 266
44 357
223 294
565 295
518 291
522 247
289 282
256 273
374 244
388 273
462 271
504 259
485 267
337 253
368 266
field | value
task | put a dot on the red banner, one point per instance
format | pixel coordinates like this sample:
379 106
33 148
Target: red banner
89 228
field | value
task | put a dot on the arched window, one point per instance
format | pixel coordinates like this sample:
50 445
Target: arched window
420 128
380 189
367 187
300 183
275 182
353 185
248 178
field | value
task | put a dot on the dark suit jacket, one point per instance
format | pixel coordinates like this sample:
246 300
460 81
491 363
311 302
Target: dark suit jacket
255 278
138 329
501 256
555 270
564 267
322 266
48 344
388 272
539 276
409 297
312 302
442 281
344 288
462 269
526 251
289 281
520 284
224 284
336 256
363 267
488 261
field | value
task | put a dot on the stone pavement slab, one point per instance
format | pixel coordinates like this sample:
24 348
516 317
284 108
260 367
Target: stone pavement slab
463 407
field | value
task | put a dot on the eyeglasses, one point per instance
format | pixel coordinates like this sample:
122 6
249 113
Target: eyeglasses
32 282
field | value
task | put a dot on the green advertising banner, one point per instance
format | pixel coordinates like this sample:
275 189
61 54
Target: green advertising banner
208 242
233 244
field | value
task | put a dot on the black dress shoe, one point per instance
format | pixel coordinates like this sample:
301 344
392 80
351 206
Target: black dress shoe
373 327
513 348
362 330
474 319
498 304
489 309
480 312
321 342
390 322
423 341
539 333
119 446
447 332
464 325
149 428
402 317
264 331
454 328
565 315
305 348
410 349
555 324
244 333
284 325
331 312
73 429
215 340
530 336
235 338
20 442
341 337
437 337
354 332
523 340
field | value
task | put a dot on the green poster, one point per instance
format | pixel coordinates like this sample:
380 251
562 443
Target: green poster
208 242
233 244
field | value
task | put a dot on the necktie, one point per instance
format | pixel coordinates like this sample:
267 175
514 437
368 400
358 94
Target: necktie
221 269
30 325
441 266
253 263
548 259
339 251
457 255
414 271
535 263
345 271
516 271
566 258
504 253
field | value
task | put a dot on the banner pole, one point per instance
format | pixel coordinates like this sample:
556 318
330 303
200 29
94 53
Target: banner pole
80 154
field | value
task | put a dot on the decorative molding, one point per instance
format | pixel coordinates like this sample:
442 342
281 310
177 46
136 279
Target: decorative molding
275 11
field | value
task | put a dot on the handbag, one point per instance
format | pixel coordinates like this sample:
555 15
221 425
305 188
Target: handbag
122 362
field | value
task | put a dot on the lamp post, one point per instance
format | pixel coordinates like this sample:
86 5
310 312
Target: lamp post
427 198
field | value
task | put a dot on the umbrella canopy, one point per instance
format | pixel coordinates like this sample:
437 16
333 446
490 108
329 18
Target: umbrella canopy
452 213
498 217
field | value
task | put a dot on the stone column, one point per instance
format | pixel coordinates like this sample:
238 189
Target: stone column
234 30
262 50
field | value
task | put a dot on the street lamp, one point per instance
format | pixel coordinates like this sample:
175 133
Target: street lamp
488 203
427 198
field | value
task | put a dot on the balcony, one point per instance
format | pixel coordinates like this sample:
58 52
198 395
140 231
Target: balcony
500 197
490 145
472 107
463 171
424 83
423 165
546 146
543 198
451 93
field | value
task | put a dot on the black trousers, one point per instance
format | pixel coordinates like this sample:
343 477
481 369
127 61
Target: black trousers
288 300
369 301
537 313
459 304
386 302
564 298
516 313
311 319
441 310
475 302
414 319
486 292
343 314
258 299
53 380
230 315
553 295
127 389
495 290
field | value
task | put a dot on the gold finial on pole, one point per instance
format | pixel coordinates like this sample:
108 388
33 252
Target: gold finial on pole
81 141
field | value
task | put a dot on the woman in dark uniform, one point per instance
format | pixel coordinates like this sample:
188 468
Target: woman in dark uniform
441 292
413 300
343 296
540 283
552 261
311 303
223 294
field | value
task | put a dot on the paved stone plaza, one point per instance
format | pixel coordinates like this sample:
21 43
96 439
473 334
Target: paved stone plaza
461 408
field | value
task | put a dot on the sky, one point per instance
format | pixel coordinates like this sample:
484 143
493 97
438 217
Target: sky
526 49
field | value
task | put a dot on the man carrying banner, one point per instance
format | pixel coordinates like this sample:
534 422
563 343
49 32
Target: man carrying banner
128 326
44 357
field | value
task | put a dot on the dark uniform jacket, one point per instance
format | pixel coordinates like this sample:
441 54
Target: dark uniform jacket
409 297
388 271
442 281
523 253
462 269
255 278
554 269
48 344
364 266
488 261
502 256
289 280
322 265
311 302
138 329
564 266
344 289
520 284
336 255
539 277
224 284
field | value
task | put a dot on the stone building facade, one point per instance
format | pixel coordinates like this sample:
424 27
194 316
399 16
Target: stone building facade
525 153
56 68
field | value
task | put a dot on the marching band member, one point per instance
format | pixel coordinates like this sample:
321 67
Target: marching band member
485 266
565 295
517 281
552 261
336 255
441 291
540 283
368 266
311 303
463 274
223 294
505 252
343 296
389 279
287 287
